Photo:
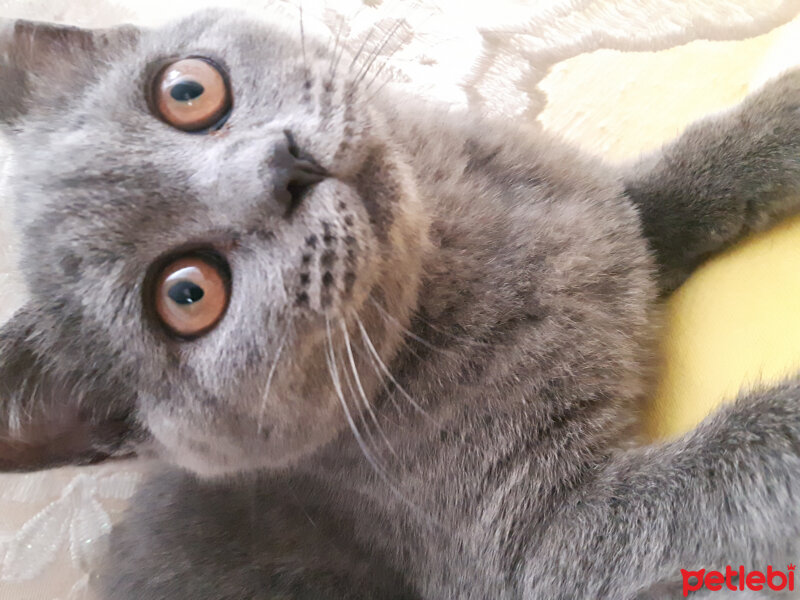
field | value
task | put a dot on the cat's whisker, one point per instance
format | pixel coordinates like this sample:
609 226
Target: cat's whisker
376 465
383 64
460 339
365 401
293 491
31 409
337 59
337 385
406 331
303 43
376 52
272 370
405 342
378 90
370 438
337 48
387 373
364 354
372 58
330 355
361 48
389 56
383 373
13 416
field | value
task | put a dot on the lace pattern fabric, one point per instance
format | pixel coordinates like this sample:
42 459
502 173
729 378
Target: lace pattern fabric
53 525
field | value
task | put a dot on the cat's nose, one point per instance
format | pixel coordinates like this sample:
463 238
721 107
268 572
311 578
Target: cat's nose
294 173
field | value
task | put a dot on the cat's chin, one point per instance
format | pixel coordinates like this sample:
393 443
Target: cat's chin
211 467
217 452
211 456
223 458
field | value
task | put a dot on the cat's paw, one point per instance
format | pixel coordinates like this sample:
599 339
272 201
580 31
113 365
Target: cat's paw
772 113
759 152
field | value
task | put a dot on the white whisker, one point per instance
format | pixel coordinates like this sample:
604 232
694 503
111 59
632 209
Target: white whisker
337 385
378 90
389 392
365 401
361 48
373 56
465 340
303 42
336 46
387 373
369 437
364 449
377 74
272 369
406 331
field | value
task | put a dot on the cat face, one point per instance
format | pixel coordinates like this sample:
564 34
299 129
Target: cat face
210 213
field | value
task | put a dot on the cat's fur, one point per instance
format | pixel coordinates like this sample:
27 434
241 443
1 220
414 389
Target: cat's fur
487 291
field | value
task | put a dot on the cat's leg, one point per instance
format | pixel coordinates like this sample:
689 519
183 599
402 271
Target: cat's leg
724 177
257 539
726 494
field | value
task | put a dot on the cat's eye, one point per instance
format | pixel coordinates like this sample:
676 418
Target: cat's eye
191 295
192 94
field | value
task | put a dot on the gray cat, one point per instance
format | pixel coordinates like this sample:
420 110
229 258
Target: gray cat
390 351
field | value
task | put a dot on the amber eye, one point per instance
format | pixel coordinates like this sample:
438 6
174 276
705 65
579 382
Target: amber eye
191 296
191 94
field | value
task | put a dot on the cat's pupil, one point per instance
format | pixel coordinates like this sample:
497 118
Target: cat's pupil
186 91
186 292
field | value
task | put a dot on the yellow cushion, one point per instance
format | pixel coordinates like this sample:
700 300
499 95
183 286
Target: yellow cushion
735 323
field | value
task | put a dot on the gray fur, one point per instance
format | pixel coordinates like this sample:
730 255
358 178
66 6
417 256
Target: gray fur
478 301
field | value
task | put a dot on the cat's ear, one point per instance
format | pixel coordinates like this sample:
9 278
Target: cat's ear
42 64
50 416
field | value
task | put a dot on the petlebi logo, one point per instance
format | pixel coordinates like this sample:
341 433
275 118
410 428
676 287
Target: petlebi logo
738 579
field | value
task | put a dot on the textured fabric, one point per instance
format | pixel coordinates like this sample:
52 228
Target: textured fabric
616 77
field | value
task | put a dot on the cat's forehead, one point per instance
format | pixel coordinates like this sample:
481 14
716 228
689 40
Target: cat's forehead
278 82
270 69
240 40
